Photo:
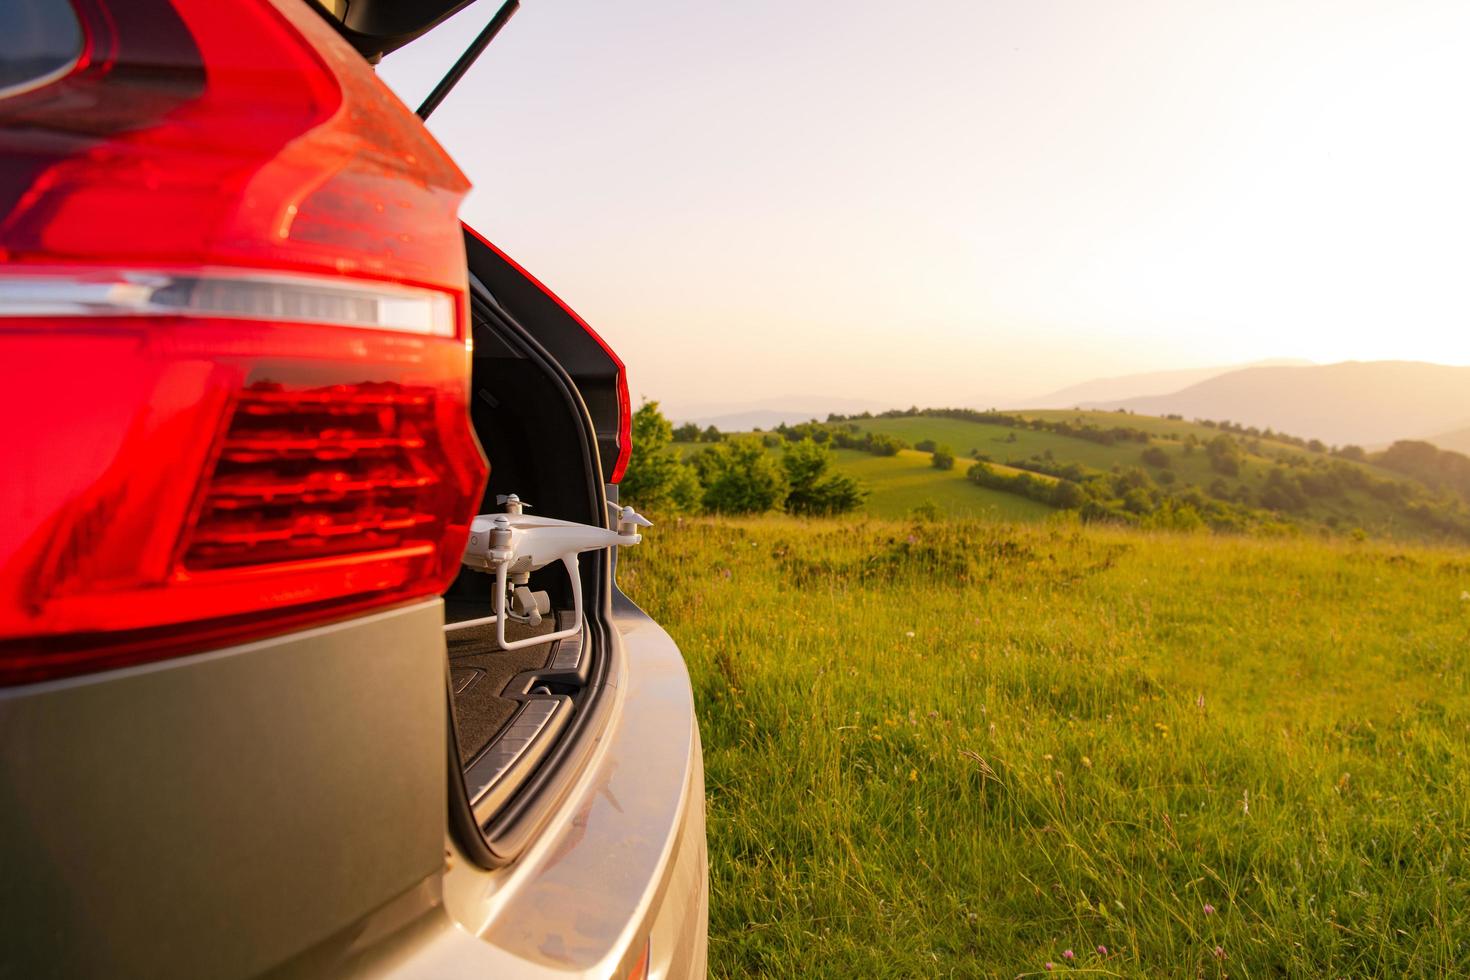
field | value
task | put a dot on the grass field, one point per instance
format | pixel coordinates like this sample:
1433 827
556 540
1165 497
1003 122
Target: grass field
898 484
964 748
1351 509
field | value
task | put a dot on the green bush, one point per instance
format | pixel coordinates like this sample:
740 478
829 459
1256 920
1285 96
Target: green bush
740 477
657 478
1224 455
814 490
1155 456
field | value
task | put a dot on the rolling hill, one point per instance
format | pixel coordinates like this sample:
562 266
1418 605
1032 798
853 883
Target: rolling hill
1456 441
1356 402
898 484
1157 472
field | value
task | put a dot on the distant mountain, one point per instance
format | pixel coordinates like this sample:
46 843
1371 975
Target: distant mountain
766 413
1141 385
1362 402
1457 440
746 421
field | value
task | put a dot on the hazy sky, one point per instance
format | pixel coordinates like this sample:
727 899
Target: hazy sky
964 202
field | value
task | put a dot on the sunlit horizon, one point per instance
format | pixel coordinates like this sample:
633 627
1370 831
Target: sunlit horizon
969 204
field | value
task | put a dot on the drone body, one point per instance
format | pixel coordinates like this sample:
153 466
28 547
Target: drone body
530 543
514 544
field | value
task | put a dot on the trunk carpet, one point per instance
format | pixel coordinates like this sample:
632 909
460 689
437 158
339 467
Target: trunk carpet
479 671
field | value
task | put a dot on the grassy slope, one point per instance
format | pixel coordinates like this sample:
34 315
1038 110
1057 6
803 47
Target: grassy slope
962 748
899 483
1002 443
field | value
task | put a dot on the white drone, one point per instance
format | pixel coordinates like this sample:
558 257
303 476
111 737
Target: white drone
514 544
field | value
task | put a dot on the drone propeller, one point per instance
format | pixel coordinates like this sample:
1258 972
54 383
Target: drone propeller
628 518
512 503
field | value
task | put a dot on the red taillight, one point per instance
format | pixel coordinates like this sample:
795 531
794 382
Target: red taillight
639 969
625 419
234 368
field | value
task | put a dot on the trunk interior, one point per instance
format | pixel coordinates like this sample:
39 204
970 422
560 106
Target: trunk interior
511 709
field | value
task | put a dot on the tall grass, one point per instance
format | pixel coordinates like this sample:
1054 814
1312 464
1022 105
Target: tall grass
963 749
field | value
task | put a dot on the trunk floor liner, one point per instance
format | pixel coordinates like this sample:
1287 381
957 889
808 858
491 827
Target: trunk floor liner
479 671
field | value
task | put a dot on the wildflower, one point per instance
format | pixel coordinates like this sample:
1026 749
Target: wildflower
1199 702
1209 909
909 634
1465 596
1086 762
913 775
1102 951
1047 757
1067 954
1050 965
1245 802
1219 952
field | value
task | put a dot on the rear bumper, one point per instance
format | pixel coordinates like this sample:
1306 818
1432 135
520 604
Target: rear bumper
621 866
281 807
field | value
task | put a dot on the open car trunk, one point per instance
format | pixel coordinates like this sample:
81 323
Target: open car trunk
518 715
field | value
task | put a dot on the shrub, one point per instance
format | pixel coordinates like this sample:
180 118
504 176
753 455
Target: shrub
942 458
1067 495
884 445
1138 501
1281 493
740 477
1155 456
813 489
1224 455
657 478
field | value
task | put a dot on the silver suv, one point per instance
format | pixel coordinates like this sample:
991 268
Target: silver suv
252 717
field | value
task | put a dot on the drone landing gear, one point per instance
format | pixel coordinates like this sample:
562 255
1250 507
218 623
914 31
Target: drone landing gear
514 601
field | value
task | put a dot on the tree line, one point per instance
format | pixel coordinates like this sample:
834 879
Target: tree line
733 474
1103 435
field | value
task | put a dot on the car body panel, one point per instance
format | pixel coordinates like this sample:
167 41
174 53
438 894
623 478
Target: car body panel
621 867
218 814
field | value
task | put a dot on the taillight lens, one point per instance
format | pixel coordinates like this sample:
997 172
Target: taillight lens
639 969
625 419
234 369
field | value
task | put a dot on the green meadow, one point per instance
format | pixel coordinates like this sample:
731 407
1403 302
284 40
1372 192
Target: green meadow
1172 460
967 747
898 484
